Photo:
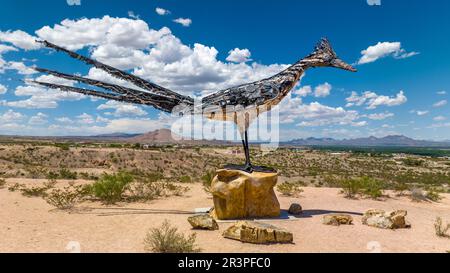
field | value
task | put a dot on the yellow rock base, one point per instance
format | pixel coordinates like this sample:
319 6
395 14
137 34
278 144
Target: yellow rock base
240 195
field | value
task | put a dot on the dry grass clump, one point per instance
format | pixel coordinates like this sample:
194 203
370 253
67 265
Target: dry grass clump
289 189
441 229
167 239
66 198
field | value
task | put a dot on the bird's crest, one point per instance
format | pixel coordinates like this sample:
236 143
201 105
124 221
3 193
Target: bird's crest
324 47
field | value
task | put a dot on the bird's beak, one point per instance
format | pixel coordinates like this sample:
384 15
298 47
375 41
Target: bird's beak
338 63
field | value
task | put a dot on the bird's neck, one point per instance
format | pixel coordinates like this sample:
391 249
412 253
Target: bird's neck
289 77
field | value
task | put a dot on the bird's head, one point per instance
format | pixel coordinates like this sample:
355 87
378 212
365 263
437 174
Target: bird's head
324 56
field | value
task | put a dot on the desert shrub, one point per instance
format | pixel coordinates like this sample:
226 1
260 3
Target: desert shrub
433 195
65 198
441 229
34 191
350 187
2 183
371 187
185 179
400 188
289 189
146 191
167 239
412 162
207 179
154 176
16 187
67 174
111 187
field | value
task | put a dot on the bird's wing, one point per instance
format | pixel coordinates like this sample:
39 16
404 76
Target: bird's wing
114 92
154 88
247 95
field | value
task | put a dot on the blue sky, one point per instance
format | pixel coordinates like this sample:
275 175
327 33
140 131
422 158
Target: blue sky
400 49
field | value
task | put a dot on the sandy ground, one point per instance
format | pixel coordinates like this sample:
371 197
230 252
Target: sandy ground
31 225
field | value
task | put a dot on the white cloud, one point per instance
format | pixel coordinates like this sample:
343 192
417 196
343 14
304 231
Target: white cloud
3 89
38 119
162 11
64 120
42 98
20 67
322 90
440 103
122 109
6 48
373 100
384 49
442 93
11 117
185 22
380 116
422 113
74 2
19 39
239 55
122 32
85 119
303 91
132 15
439 118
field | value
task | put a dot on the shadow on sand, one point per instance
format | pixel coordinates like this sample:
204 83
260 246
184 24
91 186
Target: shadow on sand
126 211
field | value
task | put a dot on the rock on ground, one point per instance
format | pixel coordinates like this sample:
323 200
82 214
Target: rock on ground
337 219
295 209
387 220
240 195
258 233
203 221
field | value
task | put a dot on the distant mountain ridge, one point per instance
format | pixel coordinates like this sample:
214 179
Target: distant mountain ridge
392 140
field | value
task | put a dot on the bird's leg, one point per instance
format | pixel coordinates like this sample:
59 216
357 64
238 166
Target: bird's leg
248 165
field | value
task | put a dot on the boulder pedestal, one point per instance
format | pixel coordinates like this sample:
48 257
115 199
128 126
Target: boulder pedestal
241 195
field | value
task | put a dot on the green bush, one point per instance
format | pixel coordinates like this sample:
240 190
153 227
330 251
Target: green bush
111 187
433 195
400 188
167 239
185 179
350 187
412 162
146 191
66 198
371 187
207 179
67 174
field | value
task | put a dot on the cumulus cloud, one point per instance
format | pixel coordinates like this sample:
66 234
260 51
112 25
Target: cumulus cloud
11 117
384 49
440 103
161 11
303 91
6 48
239 55
442 92
132 15
373 100
122 109
38 119
19 39
422 113
185 22
3 89
322 90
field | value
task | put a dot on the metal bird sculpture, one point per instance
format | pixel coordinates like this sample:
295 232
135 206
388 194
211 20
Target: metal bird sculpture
240 104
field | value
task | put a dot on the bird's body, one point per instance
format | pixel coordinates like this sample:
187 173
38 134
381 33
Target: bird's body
240 104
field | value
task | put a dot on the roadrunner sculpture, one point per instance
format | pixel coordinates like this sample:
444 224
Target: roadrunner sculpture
240 104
